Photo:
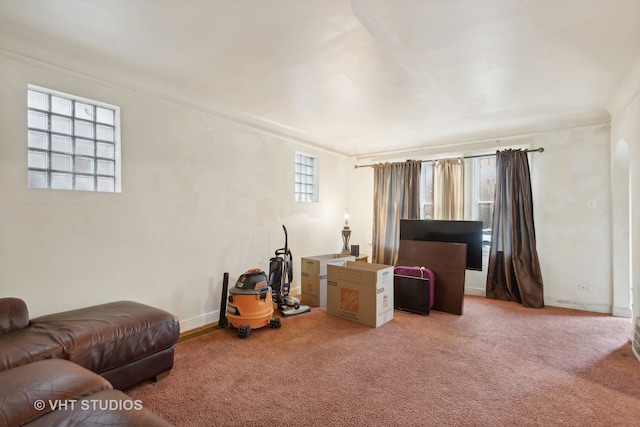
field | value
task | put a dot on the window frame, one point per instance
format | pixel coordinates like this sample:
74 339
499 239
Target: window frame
99 155
476 190
426 195
305 179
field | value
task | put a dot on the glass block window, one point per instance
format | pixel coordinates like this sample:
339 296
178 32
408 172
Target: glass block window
73 143
306 178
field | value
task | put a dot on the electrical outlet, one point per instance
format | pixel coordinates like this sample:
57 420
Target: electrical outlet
584 288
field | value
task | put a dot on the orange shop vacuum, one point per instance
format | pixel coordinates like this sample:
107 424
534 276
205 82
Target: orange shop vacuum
249 304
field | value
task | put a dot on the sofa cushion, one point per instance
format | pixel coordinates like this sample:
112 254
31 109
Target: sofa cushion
104 408
26 345
110 335
13 314
29 391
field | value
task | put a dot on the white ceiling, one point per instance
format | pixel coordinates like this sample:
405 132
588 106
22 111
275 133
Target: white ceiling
354 76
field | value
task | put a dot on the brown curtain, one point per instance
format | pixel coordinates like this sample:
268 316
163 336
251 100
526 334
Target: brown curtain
514 270
396 196
448 189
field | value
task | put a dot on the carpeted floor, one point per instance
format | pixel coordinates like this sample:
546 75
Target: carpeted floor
498 364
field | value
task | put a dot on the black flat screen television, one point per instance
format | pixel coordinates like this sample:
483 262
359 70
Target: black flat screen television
436 230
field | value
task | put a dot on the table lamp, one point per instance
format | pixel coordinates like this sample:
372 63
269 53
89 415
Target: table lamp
346 235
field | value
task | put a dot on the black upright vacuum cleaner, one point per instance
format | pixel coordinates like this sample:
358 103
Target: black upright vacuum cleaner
280 278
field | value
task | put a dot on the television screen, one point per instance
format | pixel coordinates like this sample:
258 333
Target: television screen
435 230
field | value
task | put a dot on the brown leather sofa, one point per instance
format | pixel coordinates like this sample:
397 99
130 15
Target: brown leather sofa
125 342
55 392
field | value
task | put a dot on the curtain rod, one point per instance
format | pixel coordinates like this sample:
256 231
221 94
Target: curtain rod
539 150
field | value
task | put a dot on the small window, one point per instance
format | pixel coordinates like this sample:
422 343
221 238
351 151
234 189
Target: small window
484 186
427 193
306 178
73 143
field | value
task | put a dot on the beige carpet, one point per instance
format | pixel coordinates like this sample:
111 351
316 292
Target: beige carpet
499 364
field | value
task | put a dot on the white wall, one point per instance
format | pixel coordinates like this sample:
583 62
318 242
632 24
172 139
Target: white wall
626 133
200 197
574 244
574 239
361 207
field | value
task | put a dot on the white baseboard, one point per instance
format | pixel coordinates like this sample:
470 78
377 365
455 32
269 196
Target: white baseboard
214 316
577 305
635 338
199 321
621 312
556 302
480 292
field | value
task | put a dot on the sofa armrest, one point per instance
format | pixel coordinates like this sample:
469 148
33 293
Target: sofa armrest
104 408
13 315
29 391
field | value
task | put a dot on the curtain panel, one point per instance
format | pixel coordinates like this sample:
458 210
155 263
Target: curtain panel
514 269
396 196
448 189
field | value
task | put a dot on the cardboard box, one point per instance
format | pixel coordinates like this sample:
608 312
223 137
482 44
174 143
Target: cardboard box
361 292
313 274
